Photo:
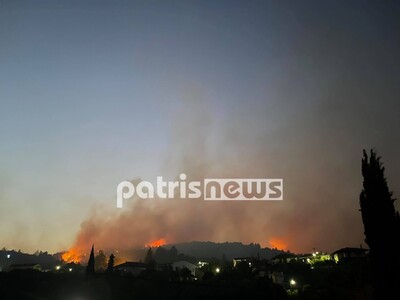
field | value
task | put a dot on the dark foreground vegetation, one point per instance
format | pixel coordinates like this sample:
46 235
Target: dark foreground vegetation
37 285
325 281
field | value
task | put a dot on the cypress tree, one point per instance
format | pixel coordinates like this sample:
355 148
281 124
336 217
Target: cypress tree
381 224
90 265
110 266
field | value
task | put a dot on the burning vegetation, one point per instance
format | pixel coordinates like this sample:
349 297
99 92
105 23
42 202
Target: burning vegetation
73 255
157 243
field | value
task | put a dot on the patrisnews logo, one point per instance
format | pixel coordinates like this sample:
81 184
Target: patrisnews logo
233 189
243 189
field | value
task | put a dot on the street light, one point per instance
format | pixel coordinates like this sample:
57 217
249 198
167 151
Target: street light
217 270
8 255
292 283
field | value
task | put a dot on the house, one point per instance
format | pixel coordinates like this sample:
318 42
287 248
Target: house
277 277
348 254
25 267
179 265
283 258
133 268
240 260
260 271
315 257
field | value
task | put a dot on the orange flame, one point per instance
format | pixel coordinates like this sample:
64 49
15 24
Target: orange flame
72 255
157 243
278 243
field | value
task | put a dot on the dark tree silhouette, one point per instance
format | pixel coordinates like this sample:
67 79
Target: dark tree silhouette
381 224
173 253
185 274
110 266
90 265
100 261
149 258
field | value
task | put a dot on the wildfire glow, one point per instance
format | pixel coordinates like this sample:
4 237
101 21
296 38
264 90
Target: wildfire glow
278 244
157 243
72 255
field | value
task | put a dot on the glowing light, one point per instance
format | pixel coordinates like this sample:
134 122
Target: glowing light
278 244
58 268
8 255
217 270
202 264
70 269
292 282
155 244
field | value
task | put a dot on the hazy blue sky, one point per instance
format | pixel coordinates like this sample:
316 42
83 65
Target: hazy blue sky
96 92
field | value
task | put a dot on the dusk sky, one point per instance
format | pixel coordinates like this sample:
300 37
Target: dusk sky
96 92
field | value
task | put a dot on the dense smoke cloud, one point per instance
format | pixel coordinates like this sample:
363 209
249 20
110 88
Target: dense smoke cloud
321 185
